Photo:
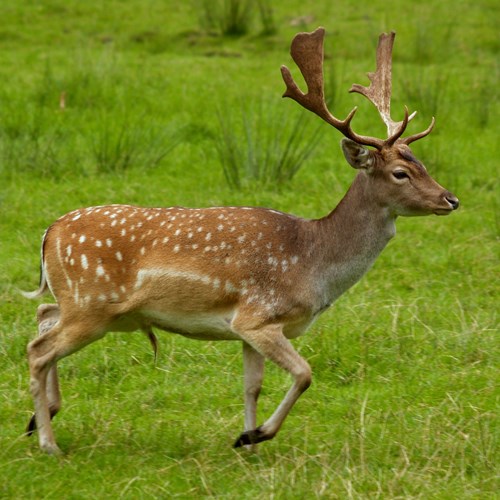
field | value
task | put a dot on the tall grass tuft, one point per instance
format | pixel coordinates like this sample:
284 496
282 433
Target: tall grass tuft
228 17
266 15
31 137
235 17
265 144
118 142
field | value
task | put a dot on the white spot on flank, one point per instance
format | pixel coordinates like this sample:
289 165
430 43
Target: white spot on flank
71 262
68 250
177 248
294 259
165 240
119 256
208 236
99 271
76 217
109 242
177 232
85 262
123 232
220 227
82 238
143 250
98 243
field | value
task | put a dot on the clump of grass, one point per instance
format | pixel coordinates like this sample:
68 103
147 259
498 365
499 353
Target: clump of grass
266 144
118 142
235 17
228 17
267 18
31 136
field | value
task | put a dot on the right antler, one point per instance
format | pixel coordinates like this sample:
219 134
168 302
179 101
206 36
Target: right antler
307 52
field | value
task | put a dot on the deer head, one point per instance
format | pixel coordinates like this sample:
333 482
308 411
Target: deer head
398 179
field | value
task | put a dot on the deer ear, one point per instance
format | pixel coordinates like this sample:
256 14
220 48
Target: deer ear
357 155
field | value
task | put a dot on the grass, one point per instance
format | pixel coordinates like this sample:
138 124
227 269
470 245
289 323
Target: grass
265 146
404 398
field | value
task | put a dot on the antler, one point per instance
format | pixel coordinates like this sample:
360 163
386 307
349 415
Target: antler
307 52
380 89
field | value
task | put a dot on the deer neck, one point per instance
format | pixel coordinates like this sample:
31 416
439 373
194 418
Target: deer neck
351 237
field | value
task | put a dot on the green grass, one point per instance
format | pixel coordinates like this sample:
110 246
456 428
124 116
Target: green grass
405 366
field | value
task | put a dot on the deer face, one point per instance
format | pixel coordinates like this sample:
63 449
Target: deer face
399 181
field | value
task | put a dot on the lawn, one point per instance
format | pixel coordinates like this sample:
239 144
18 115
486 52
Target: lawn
137 102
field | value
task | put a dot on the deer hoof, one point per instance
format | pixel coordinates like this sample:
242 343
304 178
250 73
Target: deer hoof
51 449
251 437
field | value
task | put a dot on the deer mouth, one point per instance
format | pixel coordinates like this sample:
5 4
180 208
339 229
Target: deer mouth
443 211
452 204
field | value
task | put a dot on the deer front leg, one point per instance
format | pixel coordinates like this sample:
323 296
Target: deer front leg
253 373
273 345
47 317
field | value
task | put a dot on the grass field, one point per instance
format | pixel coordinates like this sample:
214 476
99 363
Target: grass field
121 102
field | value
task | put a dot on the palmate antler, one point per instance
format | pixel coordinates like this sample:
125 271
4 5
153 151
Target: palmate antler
307 52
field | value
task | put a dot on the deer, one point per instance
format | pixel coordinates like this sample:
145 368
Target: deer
249 274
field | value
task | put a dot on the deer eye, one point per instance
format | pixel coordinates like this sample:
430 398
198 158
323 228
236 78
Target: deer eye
400 174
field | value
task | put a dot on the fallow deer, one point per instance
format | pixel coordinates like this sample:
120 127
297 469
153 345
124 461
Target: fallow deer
250 274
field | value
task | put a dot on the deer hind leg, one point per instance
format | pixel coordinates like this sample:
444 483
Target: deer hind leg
62 339
253 373
47 316
270 343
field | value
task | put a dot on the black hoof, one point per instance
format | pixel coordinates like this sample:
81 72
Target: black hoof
250 437
31 427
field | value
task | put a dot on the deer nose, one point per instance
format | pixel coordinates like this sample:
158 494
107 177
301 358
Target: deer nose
452 200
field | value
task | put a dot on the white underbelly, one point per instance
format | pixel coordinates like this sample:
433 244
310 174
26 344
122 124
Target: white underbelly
200 325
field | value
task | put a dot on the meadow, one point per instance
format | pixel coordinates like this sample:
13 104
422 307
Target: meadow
163 103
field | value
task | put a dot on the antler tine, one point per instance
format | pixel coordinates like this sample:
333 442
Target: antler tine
415 137
380 89
307 52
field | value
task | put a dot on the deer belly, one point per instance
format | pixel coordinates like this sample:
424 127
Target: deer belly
199 325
